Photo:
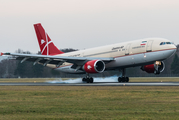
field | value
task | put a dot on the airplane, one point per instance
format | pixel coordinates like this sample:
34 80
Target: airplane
148 53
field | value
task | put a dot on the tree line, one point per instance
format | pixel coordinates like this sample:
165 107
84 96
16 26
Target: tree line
11 68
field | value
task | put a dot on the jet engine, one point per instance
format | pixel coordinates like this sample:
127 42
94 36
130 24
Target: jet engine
156 68
94 66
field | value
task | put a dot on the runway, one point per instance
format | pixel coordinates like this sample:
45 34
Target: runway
93 84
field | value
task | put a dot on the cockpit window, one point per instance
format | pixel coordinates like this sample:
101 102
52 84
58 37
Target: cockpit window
168 43
163 43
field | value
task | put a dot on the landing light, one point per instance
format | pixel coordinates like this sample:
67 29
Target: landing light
158 63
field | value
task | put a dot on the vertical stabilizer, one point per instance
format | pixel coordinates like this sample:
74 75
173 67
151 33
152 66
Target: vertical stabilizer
47 47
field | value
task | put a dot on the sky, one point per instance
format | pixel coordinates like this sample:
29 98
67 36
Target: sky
82 24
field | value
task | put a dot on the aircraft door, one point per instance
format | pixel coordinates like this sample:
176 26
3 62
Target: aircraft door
127 49
149 46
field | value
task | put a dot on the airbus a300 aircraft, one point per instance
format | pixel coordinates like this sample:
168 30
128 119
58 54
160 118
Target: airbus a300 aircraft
148 53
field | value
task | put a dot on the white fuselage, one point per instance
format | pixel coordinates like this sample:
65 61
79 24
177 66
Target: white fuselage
127 54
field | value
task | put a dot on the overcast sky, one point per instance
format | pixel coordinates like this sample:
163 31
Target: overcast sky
84 24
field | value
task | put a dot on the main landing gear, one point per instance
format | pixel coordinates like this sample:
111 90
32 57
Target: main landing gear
88 79
123 78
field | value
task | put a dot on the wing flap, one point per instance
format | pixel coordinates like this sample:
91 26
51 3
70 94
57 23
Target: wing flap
56 60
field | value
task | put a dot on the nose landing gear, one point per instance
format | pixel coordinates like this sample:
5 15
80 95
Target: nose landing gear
157 63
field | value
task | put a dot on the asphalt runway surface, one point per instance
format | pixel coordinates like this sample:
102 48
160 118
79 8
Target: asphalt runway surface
93 84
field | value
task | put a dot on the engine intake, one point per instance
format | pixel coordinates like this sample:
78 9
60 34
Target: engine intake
156 68
94 66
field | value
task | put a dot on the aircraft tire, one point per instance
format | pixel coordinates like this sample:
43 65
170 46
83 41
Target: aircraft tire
127 79
123 79
119 79
83 79
88 80
157 72
91 80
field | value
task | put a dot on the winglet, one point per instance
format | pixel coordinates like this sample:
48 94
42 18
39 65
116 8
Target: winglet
47 47
1 53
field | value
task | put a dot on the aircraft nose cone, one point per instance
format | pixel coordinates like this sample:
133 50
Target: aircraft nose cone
174 48
174 44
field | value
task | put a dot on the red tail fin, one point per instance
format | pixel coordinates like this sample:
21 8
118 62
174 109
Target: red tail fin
46 45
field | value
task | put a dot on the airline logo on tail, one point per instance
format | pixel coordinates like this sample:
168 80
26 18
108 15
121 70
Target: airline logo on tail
46 45
42 41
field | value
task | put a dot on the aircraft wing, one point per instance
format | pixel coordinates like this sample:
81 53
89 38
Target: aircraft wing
55 60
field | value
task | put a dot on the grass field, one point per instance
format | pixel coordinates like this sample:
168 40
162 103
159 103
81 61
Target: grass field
90 102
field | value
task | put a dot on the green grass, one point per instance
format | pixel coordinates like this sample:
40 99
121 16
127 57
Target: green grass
154 79
78 102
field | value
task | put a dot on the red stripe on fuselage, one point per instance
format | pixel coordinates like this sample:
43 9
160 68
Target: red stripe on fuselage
144 52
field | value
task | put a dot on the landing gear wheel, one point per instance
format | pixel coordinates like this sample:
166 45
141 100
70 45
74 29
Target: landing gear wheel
83 79
157 72
91 80
88 80
119 79
127 79
123 79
